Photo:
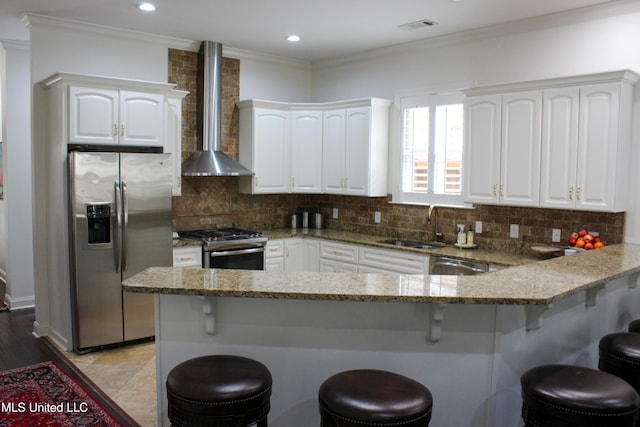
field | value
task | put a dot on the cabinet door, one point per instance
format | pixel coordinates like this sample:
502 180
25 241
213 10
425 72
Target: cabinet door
93 115
331 266
559 147
520 149
334 140
311 255
306 151
598 136
293 255
187 256
482 149
358 125
271 151
141 118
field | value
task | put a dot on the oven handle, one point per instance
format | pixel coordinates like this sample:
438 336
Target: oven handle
236 252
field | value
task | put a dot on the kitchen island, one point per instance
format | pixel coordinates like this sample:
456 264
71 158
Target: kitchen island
466 338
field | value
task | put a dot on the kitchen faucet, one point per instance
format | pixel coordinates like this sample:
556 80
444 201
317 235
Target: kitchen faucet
433 210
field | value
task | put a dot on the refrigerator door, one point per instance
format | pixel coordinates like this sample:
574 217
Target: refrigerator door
96 281
147 232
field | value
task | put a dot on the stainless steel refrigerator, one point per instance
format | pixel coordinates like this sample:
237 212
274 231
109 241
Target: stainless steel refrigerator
120 205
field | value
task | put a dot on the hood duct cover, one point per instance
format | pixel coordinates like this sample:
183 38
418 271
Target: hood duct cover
211 161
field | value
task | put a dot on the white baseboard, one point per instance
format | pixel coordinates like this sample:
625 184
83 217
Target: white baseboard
20 303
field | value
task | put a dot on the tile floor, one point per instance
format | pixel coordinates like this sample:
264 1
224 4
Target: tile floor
127 375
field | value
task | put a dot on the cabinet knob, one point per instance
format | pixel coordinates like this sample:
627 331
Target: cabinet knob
578 191
495 189
115 130
571 192
501 190
122 130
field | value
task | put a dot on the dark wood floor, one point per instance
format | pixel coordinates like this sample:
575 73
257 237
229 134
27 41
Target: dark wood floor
18 348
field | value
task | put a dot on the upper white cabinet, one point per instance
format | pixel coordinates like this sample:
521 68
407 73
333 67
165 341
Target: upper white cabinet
112 116
564 143
338 148
502 148
92 110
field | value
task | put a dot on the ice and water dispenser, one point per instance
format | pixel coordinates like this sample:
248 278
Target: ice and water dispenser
99 223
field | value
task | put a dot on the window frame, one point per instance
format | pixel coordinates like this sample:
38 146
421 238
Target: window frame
432 100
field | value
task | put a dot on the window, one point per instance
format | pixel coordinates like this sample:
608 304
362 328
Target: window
431 150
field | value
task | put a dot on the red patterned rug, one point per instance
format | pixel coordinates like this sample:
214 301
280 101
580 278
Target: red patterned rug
43 395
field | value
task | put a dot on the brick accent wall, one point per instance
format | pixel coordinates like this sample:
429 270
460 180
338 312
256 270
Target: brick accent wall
209 202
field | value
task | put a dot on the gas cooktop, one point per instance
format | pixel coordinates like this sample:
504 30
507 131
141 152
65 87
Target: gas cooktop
221 234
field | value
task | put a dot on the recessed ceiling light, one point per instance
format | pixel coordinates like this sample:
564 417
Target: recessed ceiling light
293 38
147 7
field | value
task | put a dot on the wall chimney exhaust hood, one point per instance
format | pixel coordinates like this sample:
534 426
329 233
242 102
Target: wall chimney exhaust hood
210 160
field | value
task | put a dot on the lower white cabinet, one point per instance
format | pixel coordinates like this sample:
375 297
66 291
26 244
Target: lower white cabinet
333 266
372 260
187 256
338 257
292 254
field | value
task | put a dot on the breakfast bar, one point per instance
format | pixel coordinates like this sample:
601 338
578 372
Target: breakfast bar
467 338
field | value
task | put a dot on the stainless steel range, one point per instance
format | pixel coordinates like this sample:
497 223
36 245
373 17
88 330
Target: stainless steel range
230 248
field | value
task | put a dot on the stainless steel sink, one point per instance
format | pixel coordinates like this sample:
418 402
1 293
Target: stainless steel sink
412 244
455 267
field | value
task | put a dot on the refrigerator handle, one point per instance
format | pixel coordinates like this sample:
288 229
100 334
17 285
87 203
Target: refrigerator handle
117 244
125 224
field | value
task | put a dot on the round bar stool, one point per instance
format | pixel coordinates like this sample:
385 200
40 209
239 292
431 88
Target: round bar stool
620 356
634 325
571 396
219 391
368 397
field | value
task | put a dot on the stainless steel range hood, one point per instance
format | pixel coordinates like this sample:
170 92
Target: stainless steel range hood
211 161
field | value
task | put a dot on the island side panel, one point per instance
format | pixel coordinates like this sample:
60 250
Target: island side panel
304 342
569 334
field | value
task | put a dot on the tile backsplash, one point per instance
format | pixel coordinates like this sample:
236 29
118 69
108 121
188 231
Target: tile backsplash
208 202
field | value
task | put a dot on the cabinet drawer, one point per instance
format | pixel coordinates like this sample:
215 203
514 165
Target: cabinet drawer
396 261
339 252
274 249
188 256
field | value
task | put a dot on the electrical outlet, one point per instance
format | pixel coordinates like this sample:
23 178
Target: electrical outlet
514 231
377 217
335 213
478 229
555 235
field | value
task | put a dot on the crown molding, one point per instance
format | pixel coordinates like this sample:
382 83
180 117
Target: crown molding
15 44
585 14
31 19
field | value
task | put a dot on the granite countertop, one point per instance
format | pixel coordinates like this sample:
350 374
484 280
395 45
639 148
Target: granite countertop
541 282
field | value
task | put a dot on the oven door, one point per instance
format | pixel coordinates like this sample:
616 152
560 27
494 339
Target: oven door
236 259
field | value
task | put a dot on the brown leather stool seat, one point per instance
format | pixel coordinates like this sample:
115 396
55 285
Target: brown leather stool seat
571 396
220 391
634 325
620 356
368 397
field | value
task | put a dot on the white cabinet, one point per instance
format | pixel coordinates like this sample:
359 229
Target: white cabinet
187 256
586 147
265 148
338 257
292 254
274 255
373 260
99 115
306 151
502 148
338 148
563 143
355 149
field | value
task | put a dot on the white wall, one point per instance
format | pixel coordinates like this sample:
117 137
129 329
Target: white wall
604 40
17 203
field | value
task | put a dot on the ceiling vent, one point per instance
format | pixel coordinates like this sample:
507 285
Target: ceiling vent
423 23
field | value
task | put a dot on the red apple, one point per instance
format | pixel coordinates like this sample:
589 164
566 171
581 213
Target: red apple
588 238
597 239
575 235
588 246
572 241
583 232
